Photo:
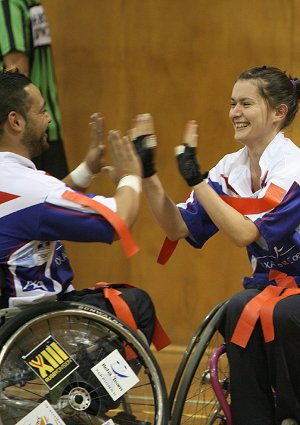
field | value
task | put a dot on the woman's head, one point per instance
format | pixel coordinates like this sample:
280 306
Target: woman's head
264 101
276 88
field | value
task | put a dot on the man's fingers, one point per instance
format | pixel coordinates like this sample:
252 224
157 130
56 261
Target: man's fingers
114 138
121 147
108 169
96 129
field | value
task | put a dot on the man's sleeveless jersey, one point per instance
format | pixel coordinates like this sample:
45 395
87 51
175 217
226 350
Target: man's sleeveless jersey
279 245
33 219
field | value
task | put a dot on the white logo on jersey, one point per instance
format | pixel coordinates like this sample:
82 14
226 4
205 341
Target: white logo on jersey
32 285
271 261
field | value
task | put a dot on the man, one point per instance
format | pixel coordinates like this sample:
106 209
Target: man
25 43
37 210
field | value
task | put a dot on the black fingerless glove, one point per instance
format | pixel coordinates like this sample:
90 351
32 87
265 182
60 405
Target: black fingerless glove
146 154
189 167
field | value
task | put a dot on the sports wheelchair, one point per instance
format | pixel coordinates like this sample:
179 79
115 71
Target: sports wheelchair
200 393
80 361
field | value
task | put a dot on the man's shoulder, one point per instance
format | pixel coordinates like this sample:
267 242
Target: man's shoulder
19 174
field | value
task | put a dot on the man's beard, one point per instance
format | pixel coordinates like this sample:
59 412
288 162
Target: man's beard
34 144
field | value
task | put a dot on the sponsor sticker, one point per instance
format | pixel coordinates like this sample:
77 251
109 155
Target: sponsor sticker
50 362
115 375
44 414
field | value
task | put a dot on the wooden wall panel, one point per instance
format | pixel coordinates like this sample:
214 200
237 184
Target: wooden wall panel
178 60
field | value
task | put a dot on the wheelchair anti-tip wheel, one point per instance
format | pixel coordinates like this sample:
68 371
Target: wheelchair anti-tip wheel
81 364
196 401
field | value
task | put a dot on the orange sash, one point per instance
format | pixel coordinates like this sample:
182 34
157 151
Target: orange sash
160 338
113 218
262 305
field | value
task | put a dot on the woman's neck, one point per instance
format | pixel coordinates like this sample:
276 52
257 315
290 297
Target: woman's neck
255 170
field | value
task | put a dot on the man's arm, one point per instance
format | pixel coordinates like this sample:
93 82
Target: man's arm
18 60
126 172
81 177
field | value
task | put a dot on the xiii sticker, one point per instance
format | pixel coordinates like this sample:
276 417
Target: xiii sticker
50 362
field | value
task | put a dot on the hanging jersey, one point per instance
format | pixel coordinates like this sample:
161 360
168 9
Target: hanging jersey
24 28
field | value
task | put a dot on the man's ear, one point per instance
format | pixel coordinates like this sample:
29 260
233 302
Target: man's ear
281 111
15 121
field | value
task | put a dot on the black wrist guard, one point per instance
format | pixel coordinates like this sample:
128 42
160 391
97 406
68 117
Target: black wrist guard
189 167
146 155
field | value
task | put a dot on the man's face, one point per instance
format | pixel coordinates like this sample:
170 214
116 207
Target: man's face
35 137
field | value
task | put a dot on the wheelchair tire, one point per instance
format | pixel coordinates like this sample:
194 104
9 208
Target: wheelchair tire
188 354
87 335
196 402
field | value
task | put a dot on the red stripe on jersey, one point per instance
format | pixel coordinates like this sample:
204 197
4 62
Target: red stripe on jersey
6 197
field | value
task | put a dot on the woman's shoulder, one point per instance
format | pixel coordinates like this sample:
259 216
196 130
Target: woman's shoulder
281 161
232 160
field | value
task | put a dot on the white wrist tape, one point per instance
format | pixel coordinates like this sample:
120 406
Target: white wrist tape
82 175
135 182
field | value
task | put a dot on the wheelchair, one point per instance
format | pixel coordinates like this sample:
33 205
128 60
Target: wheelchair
200 393
84 363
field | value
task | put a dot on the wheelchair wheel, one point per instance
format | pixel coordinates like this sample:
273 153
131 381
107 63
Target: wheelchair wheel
196 402
81 362
188 354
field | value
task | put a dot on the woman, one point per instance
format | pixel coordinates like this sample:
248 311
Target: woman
253 196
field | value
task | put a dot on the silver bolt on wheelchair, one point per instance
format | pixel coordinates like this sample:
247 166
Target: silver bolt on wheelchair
58 353
200 393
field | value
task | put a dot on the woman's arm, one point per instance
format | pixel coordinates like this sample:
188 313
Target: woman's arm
163 208
241 230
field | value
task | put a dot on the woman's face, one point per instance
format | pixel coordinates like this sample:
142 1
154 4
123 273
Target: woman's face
254 121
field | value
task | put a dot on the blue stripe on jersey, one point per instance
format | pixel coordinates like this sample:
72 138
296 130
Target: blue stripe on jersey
282 220
49 222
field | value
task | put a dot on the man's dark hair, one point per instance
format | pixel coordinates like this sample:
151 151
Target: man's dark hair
13 97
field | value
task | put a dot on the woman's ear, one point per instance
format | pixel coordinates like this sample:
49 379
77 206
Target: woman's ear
281 111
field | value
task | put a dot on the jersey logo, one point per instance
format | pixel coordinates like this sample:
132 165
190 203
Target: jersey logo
32 285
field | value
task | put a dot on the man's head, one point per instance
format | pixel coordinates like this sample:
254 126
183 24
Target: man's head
23 117
13 97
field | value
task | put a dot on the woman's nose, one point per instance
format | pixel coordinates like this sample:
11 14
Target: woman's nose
236 110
